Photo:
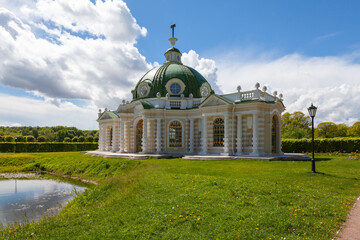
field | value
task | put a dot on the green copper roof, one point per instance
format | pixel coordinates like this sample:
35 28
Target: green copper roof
159 76
108 115
172 49
146 104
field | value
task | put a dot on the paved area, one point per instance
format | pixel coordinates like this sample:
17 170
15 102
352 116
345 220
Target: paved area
351 228
107 154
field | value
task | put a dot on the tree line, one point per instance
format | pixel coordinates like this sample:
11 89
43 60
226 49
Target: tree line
47 134
298 125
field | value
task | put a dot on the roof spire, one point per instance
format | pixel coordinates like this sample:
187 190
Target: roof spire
173 27
173 39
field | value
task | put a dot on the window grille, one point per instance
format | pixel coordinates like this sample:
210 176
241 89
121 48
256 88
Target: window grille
218 132
175 134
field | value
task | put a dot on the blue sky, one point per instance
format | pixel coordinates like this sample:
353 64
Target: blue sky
312 28
62 60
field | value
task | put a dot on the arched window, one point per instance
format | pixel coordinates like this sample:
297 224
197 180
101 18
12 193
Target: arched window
274 135
218 132
175 134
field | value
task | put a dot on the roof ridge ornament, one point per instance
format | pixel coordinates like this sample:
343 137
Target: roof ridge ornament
173 39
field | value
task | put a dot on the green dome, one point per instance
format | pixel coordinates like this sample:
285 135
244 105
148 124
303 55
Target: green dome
158 77
172 49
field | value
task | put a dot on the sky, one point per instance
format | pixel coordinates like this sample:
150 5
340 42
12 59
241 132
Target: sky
60 61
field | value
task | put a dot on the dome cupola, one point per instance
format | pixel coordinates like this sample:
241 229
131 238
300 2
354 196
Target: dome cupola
172 79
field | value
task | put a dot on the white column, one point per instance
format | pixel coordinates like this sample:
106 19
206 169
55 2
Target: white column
101 140
191 136
104 138
255 135
204 136
126 137
226 135
121 144
158 135
239 135
144 137
107 139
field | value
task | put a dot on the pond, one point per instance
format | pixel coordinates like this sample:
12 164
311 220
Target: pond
24 200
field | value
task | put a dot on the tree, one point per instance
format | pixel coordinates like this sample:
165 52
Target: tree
326 130
67 139
295 125
354 130
75 139
341 130
81 139
61 135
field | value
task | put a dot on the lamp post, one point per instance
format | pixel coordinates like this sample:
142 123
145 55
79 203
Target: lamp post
312 112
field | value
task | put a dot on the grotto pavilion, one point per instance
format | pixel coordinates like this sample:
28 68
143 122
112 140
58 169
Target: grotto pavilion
174 110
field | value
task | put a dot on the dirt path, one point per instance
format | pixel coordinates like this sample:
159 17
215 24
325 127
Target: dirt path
351 228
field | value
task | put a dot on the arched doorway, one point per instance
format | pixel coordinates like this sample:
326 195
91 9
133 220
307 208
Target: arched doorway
274 135
218 132
175 134
139 135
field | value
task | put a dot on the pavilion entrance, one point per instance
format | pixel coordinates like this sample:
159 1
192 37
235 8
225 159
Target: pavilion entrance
139 135
274 135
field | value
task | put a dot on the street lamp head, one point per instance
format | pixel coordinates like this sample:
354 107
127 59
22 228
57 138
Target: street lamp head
312 110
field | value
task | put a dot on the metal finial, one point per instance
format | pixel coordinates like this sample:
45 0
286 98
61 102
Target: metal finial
173 27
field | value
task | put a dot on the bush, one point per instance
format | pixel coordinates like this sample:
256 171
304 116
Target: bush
321 145
46 147
2 138
89 139
42 139
81 139
20 139
67 139
75 139
30 139
9 139
96 139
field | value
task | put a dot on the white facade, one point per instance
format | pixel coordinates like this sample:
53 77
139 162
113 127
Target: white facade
251 125
175 110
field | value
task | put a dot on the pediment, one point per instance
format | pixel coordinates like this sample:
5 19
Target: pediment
213 100
108 115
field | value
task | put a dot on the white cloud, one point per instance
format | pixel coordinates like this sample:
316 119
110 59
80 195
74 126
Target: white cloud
331 83
24 111
205 66
87 53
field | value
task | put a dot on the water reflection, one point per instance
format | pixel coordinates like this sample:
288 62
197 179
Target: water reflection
22 200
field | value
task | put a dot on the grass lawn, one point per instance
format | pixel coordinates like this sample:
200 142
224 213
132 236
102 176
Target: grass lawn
188 199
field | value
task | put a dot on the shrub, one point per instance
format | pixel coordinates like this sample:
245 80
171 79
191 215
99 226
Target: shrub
46 147
9 139
20 139
42 139
67 139
30 139
321 145
89 139
81 139
96 139
75 139
2 139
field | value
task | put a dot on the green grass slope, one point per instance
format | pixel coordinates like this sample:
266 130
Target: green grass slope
187 199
